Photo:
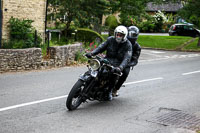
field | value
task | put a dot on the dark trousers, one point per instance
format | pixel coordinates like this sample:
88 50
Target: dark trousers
123 78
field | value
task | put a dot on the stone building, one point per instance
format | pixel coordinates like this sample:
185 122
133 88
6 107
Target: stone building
168 7
23 9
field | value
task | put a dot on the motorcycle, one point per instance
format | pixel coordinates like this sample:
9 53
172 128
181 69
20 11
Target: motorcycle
93 84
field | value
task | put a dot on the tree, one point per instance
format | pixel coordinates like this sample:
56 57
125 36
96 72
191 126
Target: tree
85 13
191 12
82 12
129 9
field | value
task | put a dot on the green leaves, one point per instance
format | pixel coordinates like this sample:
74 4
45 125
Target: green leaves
22 34
82 12
191 12
129 9
19 29
87 35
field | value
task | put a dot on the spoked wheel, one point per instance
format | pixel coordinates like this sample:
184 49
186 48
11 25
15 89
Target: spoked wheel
74 98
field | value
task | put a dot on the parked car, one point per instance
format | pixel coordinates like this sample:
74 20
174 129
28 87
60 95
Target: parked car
183 30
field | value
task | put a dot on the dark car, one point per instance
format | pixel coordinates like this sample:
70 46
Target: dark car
183 30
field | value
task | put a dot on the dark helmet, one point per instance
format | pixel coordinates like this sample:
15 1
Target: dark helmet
133 33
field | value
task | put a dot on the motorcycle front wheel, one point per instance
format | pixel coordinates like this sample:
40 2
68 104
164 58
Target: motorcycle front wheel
74 98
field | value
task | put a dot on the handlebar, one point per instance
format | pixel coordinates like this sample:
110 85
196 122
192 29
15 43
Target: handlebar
107 63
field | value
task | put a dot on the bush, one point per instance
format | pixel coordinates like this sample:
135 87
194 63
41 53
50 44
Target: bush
147 26
86 35
88 47
22 34
111 22
80 58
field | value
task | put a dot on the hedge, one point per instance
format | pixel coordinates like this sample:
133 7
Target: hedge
86 35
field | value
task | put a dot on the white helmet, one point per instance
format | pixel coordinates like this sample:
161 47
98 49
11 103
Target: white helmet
123 30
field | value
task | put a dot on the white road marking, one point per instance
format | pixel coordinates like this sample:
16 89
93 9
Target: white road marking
31 103
167 57
65 96
152 54
157 59
141 81
158 52
194 72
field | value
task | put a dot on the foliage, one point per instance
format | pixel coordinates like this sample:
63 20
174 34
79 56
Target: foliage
159 22
22 34
88 47
87 35
129 9
133 13
160 19
112 23
20 29
191 12
80 58
83 13
85 49
147 26
88 13
59 42
105 36
13 44
44 48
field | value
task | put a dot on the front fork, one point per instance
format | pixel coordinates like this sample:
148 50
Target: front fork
89 81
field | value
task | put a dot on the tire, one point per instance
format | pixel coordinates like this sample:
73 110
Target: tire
74 99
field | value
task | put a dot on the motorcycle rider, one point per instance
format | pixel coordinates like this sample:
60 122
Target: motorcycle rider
133 33
118 52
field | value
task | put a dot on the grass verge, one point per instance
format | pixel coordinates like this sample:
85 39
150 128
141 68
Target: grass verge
192 46
180 43
162 42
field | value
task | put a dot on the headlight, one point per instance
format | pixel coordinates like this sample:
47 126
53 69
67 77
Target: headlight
94 64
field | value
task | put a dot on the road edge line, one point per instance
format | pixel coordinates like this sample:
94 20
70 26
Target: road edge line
31 103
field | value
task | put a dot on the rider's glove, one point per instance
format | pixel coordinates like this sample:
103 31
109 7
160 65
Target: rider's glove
88 55
133 63
117 70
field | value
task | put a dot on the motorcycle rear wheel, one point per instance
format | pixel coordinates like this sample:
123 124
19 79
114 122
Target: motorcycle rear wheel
74 99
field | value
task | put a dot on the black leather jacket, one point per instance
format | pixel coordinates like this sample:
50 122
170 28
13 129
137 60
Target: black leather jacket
119 55
136 54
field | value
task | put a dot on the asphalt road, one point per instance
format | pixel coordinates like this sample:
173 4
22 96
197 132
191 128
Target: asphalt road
163 82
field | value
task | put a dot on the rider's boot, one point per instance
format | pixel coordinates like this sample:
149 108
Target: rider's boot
109 95
115 93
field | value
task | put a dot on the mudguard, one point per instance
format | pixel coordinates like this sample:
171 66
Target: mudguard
85 77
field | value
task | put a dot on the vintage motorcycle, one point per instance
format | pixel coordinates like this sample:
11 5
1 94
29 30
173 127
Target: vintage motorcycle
93 84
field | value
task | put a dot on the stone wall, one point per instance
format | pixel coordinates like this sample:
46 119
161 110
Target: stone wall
64 55
13 60
24 9
20 59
